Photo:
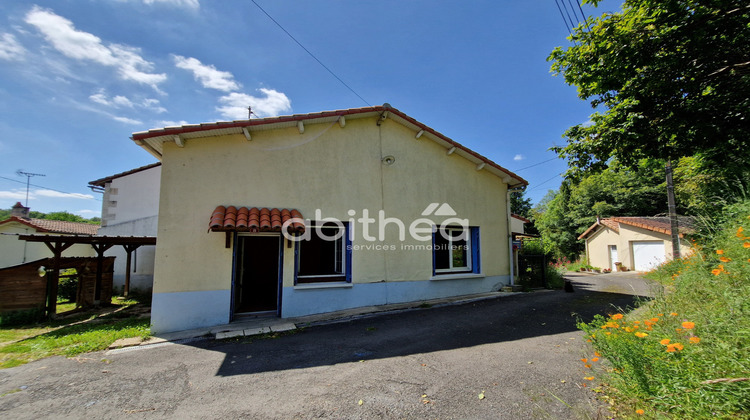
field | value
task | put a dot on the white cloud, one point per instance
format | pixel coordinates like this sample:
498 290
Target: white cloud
192 4
127 120
58 194
10 48
65 38
88 213
14 195
518 157
208 75
172 123
119 101
235 104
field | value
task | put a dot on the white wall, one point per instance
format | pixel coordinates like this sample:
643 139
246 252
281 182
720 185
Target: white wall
130 208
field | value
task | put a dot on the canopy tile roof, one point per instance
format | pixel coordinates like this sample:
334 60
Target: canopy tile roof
244 219
55 226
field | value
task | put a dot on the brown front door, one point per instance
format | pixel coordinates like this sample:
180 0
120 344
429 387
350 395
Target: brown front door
257 274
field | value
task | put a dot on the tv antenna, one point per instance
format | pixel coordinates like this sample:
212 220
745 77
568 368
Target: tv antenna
28 176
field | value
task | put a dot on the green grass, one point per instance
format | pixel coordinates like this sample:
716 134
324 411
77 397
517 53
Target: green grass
703 370
79 333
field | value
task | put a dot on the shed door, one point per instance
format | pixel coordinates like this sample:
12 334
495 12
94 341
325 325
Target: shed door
648 254
613 257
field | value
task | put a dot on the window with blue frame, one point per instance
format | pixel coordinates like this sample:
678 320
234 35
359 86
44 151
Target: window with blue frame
455 249
325 256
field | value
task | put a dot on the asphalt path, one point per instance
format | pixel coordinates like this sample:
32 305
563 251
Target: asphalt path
515 357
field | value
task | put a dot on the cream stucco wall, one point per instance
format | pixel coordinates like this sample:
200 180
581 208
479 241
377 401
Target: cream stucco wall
330 168
14 251
599 254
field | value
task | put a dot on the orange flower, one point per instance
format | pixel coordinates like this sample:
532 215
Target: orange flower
664 342
596 353
739 232
596 359
636 322
695 340
660 314
725 259
678 329
616 316
671 348
639 412
589 378
688 325
628 329
641 334
673 314
715 271
654 319
746 245
720 251
587 365
584 360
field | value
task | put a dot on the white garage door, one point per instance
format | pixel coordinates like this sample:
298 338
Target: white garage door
648 254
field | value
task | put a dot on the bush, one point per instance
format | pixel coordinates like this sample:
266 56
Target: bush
685 354
67 288
23 317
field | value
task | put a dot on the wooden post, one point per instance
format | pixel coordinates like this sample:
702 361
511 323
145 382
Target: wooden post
129 250
100 249
672 214
57 249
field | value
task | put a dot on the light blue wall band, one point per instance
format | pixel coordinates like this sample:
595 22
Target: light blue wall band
179 311
300 302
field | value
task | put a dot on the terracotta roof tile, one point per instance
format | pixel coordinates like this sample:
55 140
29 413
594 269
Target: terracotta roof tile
55 226
654 224
244 219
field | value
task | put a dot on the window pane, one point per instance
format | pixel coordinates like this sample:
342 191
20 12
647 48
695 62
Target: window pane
459 250
442 252
319 256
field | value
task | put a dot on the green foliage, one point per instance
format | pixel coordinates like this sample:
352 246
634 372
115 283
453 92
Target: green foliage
696 333
671 76
23 317
58 215
68 287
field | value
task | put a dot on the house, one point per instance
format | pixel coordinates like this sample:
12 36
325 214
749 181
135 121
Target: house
14 251
636 243
130 206
312 213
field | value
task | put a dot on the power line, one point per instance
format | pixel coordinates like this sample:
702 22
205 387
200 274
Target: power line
569 29
538 186
40 186
581 10
311 54
572 25
536 164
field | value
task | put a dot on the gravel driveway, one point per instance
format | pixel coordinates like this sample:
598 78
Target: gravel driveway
514 357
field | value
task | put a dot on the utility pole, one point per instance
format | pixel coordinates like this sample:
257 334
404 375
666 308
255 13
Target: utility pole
28 176
672 213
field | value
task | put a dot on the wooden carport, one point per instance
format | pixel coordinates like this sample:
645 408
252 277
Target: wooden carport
59 243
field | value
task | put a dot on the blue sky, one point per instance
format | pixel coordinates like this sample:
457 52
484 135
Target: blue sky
78 77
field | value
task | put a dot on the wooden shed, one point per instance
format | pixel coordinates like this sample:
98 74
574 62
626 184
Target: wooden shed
22 288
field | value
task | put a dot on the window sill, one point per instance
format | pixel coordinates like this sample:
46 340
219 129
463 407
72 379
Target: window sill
331 285
457 276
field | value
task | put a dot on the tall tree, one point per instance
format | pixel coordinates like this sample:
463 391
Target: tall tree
672 77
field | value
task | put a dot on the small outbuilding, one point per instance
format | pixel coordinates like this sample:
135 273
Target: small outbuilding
632 243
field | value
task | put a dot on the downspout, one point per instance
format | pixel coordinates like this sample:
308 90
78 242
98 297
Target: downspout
510 230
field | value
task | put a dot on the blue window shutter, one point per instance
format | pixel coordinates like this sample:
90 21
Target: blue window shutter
433 252
296 258
348 252
475 251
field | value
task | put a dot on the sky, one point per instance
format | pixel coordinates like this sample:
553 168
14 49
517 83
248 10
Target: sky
78 77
